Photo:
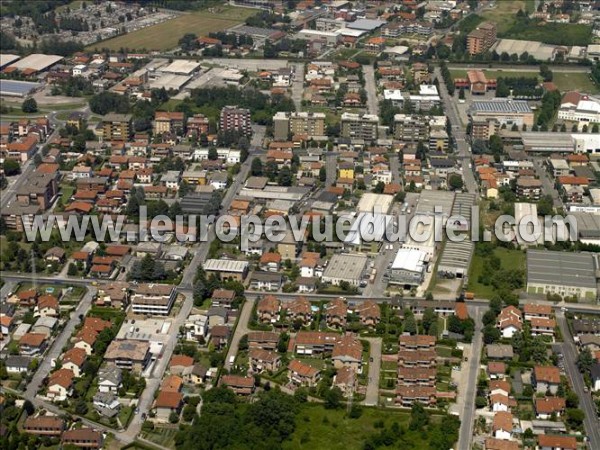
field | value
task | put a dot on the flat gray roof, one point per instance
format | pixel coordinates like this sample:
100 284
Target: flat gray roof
561 268
500 106
37 62
225 265
366 24
14 87
346 266
588 225
429 200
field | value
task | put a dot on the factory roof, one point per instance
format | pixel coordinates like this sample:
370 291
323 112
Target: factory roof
181 66
225 265
409 259
561 268
500 106
346 266
36 61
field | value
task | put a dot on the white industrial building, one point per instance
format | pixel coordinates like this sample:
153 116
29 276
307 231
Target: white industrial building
577 107
408 267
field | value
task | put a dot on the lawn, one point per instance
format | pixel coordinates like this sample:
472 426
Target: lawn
319 428
460 73
162 436
504 14
575 82
514 259
166 35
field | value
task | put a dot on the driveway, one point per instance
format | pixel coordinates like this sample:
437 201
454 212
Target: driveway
372 396
371 88
240 330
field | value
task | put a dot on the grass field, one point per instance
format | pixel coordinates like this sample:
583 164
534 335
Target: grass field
564 81
504 14
165 35
340 432
509 259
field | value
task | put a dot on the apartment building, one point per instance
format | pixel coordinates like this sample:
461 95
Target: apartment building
481 39
359 126
116 127
40 190
298 123
150 298
168 122
237 119
411 128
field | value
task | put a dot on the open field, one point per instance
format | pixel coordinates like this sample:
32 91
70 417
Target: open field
564 81
504 14
165 35
339 431
509 259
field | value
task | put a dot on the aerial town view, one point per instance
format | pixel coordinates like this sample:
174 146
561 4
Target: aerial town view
300 224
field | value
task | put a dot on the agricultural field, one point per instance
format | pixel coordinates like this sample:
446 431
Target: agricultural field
504 14
166 35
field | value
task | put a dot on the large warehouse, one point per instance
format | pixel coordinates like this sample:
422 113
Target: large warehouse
14 88
345 267
456 259
34 63
562 273
505 111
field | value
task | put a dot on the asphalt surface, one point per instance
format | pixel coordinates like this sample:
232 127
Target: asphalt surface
331 168
298 85
371 88
468 412
591 422
240 330
372 396
548 185
463 152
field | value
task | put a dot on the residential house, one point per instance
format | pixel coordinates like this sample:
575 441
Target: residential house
60 384
73 360
336 312
546 378
223 298
407 395
510 321
314 342
502 425
261 360
239 384
548 407
554 442
268 308
266 340
46 425
32 344
303 374
346 380
166 403
369 313
270 262
298 310
47 306
109 379
347 352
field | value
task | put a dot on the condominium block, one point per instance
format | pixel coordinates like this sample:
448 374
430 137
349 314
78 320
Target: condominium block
235 119
116 127
410 128
298 123
481 39
359 126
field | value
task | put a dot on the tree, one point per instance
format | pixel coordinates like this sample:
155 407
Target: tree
72 271
333 398
213 155
585 360
410 326
419 418
491 334
256 168
285 176
461 94
11 167
81 407
322 174
29 105
173 417
455 182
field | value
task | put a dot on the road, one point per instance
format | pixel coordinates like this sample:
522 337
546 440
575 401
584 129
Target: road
59 343
458 131
519 68
372 396
468 413
240 330
153 382
371 88
395 169
548 185
298 85
591 422
331 168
